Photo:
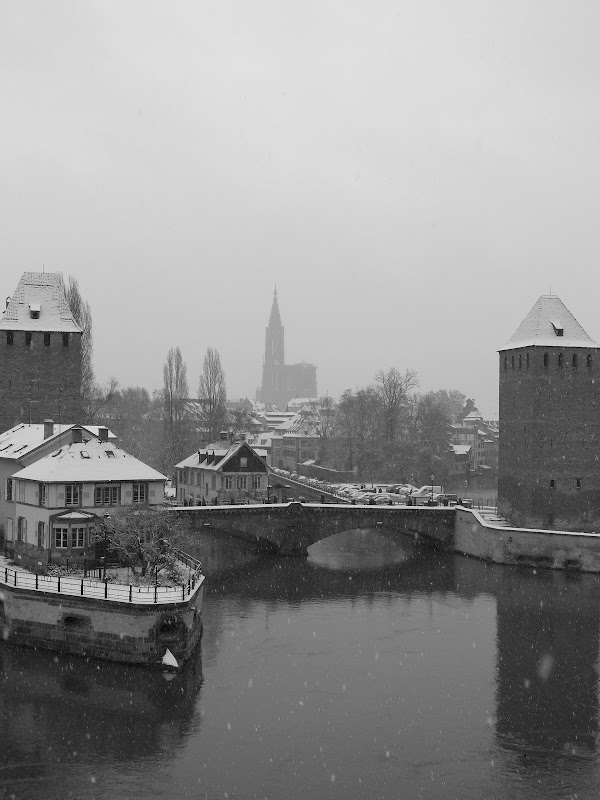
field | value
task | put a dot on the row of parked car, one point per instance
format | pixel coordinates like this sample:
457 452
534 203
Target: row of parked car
377 494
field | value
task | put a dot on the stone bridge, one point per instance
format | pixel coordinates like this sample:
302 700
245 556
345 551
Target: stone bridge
290 529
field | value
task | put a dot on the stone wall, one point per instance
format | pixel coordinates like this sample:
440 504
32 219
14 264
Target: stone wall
49 376
575 551
549 465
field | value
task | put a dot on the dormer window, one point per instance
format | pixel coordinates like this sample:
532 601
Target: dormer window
558 328
34 310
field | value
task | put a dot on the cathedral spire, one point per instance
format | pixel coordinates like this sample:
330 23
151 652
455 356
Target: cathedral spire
275 318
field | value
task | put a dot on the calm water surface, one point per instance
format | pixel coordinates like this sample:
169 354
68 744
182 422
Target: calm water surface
372 670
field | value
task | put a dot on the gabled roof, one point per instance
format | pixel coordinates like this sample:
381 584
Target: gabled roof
223 455
42 292
23 439
89 462
549 324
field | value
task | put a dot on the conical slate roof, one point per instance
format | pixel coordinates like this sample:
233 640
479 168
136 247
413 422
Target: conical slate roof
275 318
549 324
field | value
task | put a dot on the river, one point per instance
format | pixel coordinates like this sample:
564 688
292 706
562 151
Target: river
372 669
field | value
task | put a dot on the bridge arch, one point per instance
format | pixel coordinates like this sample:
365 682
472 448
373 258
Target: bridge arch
290 529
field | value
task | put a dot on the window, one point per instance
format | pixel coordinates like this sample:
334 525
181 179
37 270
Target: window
520 360
41 534
228 482
72 494
560 359
10 337
578 483
28 336
110 453
61 537
77 537
553 484
505 362
527 361
243 462
589 360
512 359
9 489
65 339
21 529
545 359
47 339
140 492
42 494
109 494
256 481
241 482
574 360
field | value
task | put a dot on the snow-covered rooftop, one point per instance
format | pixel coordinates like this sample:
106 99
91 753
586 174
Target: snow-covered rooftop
23 439
89 461
549 324
39 304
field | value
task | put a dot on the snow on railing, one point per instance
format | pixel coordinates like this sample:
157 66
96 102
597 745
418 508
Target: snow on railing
104 590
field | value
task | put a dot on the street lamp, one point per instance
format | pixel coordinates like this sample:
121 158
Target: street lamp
432 476
105 523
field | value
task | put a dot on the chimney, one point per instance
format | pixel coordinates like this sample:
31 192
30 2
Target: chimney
48 428
103 433
77 434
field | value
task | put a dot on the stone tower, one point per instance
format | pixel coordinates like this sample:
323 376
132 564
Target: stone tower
549 446
274 389
40 354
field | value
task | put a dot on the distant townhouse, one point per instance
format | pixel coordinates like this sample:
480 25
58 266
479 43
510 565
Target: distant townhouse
479 439
220 474
56 506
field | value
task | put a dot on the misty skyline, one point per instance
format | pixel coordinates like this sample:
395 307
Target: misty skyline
411 175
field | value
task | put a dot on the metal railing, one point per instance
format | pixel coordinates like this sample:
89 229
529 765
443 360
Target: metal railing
103 590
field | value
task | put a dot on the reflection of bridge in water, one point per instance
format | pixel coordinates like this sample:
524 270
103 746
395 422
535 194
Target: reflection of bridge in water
290 529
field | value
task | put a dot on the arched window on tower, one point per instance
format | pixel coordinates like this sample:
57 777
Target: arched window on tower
574 360
520 360
560 359
589 360
512 358
505 362
545 359
527 361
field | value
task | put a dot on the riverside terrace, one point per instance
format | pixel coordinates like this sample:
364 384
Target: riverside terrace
153 625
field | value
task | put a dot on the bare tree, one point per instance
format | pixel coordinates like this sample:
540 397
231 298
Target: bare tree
175 394
146 539
82 313
392 388
212 394
99 398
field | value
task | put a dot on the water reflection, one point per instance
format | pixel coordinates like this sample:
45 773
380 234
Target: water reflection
547 668
60 713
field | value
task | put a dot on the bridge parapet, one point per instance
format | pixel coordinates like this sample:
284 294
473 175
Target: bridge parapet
290 528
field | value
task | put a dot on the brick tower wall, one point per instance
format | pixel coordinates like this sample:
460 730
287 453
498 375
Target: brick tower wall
549 446
54 372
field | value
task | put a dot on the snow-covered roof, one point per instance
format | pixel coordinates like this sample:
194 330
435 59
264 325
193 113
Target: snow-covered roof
91 462
549 324
42 293
23 439
461 449
223 456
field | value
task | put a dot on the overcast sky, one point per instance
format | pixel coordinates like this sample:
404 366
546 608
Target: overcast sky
412 176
